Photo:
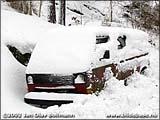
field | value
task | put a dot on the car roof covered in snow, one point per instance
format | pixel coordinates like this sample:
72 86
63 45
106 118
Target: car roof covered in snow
70 49
63 51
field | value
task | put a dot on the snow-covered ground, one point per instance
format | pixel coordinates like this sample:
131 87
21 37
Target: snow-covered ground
140 97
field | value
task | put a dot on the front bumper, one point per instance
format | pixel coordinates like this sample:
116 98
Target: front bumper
44 99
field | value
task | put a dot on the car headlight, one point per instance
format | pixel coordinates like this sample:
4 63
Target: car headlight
30 79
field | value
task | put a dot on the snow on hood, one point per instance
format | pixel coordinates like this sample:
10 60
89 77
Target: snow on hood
23 31
63 51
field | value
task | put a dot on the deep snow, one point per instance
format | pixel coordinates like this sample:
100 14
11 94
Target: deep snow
13 84
141 96
24 32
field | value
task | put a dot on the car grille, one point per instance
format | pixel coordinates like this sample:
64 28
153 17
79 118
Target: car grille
67 80
52 79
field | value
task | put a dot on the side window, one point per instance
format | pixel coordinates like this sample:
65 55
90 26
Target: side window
102 39
122 41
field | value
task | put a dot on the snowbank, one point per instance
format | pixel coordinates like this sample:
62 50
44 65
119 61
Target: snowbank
23 31
13 84
141 96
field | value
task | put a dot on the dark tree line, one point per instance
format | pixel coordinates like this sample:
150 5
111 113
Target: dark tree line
22 6
27 7
143 15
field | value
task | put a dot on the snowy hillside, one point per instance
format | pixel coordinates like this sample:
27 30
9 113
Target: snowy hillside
140 97
84 12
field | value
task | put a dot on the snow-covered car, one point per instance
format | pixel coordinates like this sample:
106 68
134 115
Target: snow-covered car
71 61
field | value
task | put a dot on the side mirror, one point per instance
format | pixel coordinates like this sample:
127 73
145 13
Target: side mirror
106 55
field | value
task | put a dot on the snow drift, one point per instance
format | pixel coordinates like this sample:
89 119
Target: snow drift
13 84
23 31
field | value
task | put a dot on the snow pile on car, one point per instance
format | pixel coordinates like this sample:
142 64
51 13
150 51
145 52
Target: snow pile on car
60 51
132 48
140 97
63 51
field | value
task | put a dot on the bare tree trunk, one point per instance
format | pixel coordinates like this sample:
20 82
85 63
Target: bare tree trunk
52 16
22 8
22 3
40 6
81 15
62 12
25 7
30 7
111 11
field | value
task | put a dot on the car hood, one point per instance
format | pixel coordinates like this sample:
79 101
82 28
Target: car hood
63 51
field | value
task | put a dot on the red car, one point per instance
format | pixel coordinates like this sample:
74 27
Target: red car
75 61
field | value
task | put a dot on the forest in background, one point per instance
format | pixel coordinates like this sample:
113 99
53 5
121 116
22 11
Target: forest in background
140 14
